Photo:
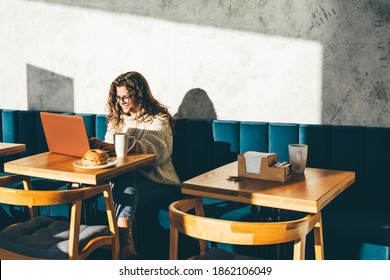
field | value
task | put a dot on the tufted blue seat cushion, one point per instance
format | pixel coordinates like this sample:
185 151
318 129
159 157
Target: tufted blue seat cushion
318 138
101 126
280 136
10 131
179 153
253 137
199 148
45 237
90 123
226 144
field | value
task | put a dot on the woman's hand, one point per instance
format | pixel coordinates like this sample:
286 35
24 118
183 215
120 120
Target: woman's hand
96 144
92 142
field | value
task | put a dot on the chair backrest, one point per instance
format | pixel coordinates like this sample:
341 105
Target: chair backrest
234 232
31 198
43 198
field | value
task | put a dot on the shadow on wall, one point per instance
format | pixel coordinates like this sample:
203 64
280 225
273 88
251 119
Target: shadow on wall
260 16
48 91
196 104
218 13
355 68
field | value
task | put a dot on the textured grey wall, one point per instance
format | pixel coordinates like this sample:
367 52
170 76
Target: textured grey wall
354 35
49 91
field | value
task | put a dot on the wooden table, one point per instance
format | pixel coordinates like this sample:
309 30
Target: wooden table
11 148
60 167
309 192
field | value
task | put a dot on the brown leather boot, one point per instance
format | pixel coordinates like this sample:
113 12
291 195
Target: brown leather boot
127 246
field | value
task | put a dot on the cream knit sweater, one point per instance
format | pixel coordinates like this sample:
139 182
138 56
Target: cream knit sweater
154 136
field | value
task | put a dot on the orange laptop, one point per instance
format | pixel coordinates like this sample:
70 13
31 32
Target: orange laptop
65 134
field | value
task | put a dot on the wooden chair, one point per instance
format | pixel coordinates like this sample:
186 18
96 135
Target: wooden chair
43 237
240 233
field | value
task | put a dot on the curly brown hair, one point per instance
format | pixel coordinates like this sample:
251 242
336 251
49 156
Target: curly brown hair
139 88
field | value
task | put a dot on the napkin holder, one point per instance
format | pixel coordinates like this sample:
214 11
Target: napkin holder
267 171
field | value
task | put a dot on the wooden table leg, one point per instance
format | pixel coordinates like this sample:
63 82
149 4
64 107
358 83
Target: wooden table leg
318 240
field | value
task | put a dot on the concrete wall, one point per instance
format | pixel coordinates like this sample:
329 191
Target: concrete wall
311 61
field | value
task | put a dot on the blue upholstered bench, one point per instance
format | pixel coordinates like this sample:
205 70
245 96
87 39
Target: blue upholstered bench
356 224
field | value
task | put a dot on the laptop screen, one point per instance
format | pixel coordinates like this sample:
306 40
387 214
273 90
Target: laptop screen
65 134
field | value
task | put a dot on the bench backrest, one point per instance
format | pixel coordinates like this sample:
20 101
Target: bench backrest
201 145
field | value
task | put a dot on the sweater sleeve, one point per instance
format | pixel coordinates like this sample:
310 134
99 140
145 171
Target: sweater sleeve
156 140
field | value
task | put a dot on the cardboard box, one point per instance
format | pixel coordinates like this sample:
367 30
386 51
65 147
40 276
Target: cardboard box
267 171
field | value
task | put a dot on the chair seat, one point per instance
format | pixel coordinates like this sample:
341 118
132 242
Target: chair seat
221 254
46 237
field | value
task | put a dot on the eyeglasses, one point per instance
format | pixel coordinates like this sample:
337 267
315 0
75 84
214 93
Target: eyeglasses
124 99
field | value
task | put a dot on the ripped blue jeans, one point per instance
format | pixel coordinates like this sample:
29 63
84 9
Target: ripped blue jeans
125 194
132 188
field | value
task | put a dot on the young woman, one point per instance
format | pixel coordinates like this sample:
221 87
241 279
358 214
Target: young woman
133 109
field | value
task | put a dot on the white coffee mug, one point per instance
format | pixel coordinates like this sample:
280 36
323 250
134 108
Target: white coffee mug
122 142
298 157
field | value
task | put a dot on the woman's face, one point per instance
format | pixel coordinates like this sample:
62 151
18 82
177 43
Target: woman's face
126 101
